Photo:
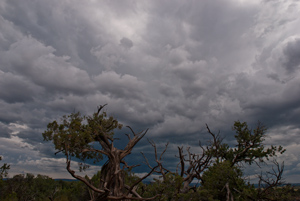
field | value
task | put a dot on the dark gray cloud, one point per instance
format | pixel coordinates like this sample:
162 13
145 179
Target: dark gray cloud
126 43
4 130
14 88
291 61
170 66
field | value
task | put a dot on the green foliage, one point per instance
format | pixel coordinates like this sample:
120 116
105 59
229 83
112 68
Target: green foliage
214 180
282 193
129 177
220 178
168 187
10 197
24 187
40 188
249 147
74 190
250 144
76 133
3 169
225 175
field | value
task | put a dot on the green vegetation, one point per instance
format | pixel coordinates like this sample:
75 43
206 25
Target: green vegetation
3 169
78 136
40 188
218 169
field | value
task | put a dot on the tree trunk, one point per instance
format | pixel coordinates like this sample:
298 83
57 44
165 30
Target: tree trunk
112 176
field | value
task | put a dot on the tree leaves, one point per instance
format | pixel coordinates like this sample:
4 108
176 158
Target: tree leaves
3 169
76 133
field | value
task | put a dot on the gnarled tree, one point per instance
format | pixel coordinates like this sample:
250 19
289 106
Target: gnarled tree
79 136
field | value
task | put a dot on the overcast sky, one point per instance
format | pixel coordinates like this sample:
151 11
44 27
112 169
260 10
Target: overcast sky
171 66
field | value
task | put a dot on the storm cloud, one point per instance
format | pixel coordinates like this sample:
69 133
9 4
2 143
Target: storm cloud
171 66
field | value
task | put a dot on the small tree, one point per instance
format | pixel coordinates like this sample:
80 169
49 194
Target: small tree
250 146
3 173
223 181
226 172
4 169
78 136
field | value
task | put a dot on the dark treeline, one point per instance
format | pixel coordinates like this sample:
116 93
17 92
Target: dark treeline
27 187
41 188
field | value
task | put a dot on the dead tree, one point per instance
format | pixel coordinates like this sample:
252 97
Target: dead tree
112 186
270 180
76 139
195 163
190 168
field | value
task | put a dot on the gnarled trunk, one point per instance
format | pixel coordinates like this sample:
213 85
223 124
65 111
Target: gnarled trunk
112 176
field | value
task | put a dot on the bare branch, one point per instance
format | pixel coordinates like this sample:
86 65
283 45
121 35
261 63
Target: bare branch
163 171
146 160
270 179
162 153
131 130
100 107
132 143
72 172
141 179
197 163
181 158
128 135
127 166
58 152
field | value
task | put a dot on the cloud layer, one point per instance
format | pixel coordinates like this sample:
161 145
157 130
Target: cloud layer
170 66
